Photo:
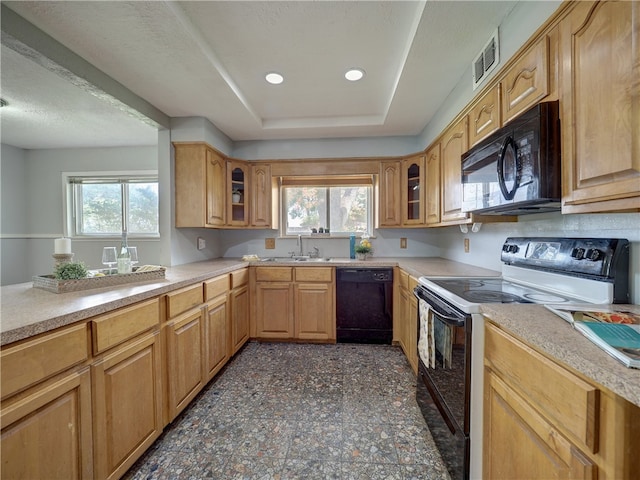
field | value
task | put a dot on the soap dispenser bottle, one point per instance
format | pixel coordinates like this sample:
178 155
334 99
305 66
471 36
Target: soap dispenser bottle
352 246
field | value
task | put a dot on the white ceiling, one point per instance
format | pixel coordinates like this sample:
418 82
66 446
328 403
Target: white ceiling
208 59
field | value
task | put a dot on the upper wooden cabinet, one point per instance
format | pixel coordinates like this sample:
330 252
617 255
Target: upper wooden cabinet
215 189
454 142
215 192
485 116
432 194
238 194
389 194
600 107
200 179
412 194
264 197
527 81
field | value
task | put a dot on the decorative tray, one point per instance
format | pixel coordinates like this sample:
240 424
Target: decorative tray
48 282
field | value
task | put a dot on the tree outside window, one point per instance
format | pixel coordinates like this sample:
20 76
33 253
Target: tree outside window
342 209
105 206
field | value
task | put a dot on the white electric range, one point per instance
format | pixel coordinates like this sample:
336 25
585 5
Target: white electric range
451 327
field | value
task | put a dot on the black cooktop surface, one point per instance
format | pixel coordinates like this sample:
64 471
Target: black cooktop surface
496 290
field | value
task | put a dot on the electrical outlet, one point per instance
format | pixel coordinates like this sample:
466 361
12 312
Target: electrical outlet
466 245
269 243
403 242
202 243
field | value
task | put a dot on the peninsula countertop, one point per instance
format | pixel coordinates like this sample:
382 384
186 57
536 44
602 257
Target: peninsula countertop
26 311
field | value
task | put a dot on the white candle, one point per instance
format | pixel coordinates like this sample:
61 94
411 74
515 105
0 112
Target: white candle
62 245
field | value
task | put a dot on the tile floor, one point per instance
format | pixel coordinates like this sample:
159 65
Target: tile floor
285 411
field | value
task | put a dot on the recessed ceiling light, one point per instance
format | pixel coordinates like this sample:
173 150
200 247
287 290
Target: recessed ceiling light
274 78
354 74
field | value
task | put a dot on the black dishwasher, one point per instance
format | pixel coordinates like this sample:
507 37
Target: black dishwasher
364 305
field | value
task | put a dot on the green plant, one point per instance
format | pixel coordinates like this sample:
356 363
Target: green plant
362 248
70 271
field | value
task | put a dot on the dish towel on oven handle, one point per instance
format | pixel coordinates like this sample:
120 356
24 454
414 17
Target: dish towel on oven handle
426 339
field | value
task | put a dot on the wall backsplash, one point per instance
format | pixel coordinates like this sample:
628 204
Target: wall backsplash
448 242
485 245
386 243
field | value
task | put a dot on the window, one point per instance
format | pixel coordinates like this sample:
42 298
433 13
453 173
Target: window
107 205
343 205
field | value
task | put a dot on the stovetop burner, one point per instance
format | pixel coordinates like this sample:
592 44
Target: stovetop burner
493 296
496 290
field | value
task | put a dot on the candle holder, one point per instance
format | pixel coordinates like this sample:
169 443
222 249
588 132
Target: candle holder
62 258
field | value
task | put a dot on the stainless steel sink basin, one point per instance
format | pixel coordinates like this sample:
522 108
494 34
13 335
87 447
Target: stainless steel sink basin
303 258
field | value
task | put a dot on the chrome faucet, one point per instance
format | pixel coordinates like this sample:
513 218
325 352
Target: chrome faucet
301 252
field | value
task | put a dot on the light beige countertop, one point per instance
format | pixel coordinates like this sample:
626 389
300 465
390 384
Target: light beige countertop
553 336
26 311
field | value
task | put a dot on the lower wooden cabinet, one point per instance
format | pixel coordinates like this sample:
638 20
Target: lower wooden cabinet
522 443
274 310
185 359
87 400
127 413
184 347
542 421
216 340
239 315
313 311
406 317
47 431
295 303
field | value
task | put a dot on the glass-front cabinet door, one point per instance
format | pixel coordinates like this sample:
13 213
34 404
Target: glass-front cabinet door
413 211
237 194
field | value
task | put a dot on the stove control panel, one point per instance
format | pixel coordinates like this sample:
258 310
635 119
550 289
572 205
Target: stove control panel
593 254
598 257
510 248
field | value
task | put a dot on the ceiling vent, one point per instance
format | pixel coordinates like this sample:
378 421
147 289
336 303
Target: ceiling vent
486 60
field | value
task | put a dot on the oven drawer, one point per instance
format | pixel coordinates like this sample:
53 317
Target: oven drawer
557 394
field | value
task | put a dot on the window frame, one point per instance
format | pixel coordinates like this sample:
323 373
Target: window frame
327 182
70 199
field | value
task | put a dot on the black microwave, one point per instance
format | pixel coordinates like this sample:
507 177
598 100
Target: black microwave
516 170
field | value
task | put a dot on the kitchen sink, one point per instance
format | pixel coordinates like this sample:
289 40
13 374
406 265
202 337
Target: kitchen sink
300 258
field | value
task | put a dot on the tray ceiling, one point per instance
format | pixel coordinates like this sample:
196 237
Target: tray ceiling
208 59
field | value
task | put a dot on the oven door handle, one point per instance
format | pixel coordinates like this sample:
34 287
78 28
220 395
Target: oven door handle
453 321
457 321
